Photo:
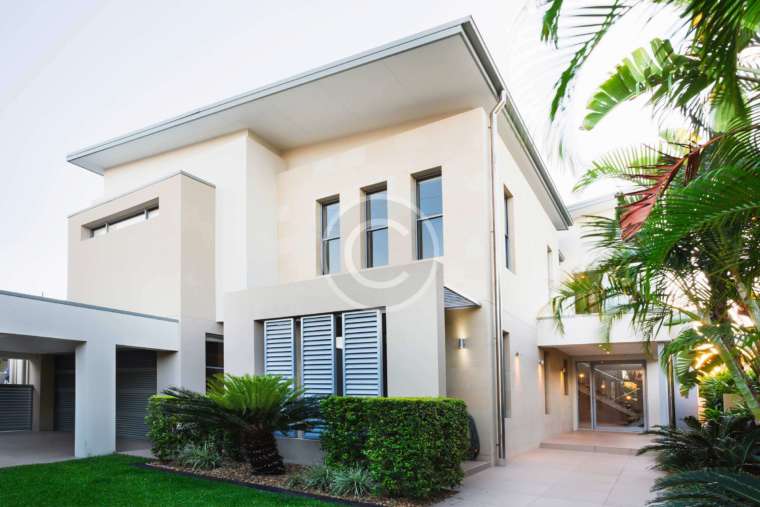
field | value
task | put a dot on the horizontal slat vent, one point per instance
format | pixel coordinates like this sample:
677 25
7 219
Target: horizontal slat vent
362 353
279 348
15 407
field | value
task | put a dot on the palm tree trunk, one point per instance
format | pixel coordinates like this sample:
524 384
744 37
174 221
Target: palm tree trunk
260 448
740 377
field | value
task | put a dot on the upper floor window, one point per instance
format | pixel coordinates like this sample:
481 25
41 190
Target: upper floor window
330 237
508 246
377 228
111 225
430 217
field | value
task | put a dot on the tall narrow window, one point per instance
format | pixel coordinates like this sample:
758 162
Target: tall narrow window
377 228
545 375
508 257
550 269
214 355
330 237
430 217
506 378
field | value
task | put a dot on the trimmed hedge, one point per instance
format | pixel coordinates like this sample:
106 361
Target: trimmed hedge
163 431
412 447
170 435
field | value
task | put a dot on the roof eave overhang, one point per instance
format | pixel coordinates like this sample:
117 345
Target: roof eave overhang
465 27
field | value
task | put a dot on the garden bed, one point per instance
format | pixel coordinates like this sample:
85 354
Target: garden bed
240 473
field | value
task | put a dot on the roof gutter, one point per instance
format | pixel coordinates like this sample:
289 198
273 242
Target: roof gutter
514 118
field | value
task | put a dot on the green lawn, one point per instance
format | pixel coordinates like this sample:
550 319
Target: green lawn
112 480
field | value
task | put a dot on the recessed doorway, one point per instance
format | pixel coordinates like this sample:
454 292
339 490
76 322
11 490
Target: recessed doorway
611 395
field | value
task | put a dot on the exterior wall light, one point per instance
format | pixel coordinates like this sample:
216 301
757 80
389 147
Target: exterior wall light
462 343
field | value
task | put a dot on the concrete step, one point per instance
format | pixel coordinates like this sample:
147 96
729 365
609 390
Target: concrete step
606 449
472 467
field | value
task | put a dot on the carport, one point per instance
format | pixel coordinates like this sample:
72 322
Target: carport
92 370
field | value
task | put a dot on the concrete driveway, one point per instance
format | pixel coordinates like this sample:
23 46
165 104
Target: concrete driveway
31 447
561 478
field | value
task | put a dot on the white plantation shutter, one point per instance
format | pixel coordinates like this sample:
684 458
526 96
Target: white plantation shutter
279 348
363 353
318 354
318 360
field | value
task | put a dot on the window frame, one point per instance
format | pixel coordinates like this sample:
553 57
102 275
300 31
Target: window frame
325 241
123 221
369 229
509 261
217 368
420 219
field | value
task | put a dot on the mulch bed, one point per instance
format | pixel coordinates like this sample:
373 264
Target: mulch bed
240 474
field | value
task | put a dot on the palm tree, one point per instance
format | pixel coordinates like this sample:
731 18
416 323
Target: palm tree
251 408
695 260
683 248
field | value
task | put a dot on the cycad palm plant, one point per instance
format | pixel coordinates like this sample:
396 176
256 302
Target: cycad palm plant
729 441
250 407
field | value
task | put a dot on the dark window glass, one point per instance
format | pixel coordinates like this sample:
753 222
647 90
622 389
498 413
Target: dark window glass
431 237
214 357
430 219
330 237
377 229
507 256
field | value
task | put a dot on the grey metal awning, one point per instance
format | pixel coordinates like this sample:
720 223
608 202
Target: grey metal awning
452 300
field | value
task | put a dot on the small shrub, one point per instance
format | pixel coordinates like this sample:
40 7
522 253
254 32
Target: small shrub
170 433
352 481
164 431
412 447
317 477
205 456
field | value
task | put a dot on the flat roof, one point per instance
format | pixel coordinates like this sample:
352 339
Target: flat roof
443 70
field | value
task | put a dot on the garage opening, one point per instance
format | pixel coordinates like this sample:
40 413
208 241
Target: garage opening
135 383
63 404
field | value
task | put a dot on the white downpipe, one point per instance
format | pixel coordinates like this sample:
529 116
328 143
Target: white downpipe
501 447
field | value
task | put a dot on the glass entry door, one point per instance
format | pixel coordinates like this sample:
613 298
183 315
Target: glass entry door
611 395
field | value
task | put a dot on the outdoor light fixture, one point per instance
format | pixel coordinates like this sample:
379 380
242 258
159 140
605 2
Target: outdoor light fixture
462 343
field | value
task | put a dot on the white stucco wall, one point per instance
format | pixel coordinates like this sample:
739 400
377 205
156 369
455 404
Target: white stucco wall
30 325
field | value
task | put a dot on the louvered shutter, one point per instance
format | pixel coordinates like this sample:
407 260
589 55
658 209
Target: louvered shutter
318 354
363 353
279 348
318 359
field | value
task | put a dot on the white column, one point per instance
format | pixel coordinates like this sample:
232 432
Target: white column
95 407
35 379
167 370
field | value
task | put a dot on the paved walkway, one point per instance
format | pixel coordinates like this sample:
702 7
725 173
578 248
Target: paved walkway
561 478
29 447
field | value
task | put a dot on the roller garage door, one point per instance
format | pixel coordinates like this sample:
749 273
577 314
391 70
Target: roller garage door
64 393
135 384
16 407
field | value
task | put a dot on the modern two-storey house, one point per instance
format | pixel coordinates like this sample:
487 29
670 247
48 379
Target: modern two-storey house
380 226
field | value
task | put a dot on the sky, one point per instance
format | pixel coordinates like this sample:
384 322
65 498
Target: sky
75 73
